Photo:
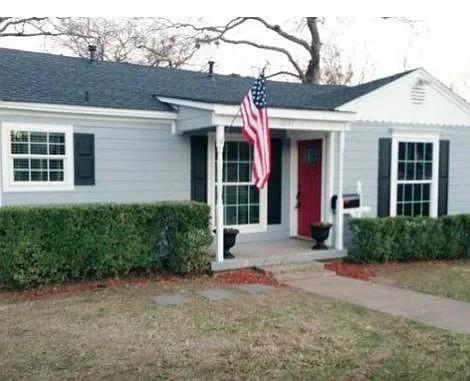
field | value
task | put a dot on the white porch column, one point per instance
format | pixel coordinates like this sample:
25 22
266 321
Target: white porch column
339 192
330 183
220 140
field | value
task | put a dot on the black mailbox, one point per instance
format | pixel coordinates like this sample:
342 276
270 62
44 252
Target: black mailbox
350 200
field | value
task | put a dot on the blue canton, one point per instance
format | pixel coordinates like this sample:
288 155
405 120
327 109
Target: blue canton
258 91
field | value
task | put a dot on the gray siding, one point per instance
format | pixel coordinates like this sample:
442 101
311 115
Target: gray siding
361 162
135 162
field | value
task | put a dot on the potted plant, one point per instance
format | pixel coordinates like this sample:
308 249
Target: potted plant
320 233
230 237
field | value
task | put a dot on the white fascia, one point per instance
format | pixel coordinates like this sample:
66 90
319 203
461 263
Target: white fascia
81 111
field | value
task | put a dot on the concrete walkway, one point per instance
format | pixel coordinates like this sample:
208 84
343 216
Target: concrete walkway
428 309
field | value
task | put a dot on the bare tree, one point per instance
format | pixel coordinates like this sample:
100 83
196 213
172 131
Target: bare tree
137 40
25 27
301 46
307 74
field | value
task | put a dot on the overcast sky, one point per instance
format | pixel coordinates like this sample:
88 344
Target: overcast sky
374 47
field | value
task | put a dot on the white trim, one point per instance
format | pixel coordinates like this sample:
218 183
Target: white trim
7 163
95 111
418 136
262 226
339 201
281 113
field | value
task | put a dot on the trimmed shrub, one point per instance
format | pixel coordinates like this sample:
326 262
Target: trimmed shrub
54 244
381 240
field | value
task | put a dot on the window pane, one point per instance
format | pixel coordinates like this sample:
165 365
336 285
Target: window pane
410 173
425 209
38 149
19 136
419 151
56 164
231 151
21 163
244 172
38 137
417 192
408 192
401 171
231 174
38 175
426 192
56 138
243 194
38 163
419 171
408 209
244 152
254 214
57 149
231 215
19 148
428 171
56 176
417 209
242 215
400 192
254 195
410 151
401 151
21 176
428 151
230 195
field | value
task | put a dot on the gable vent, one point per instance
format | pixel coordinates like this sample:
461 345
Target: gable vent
418 92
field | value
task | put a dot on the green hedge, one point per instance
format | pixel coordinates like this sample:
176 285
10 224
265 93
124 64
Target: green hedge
54 244
409 239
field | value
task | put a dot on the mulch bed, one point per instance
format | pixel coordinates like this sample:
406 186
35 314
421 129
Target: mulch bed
246 276
365 271
70 289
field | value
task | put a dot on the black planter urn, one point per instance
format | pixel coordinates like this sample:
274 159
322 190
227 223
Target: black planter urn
320 233
230 237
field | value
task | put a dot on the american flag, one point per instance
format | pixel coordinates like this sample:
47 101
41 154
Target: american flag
256 130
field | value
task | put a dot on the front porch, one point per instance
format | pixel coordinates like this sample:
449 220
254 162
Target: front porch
275 252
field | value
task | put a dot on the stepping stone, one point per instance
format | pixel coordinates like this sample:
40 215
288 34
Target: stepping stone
255 288
170 299
216 294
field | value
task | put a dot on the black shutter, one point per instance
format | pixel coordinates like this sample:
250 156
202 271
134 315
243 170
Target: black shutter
199 168
383 191
84 155
275 183
443 178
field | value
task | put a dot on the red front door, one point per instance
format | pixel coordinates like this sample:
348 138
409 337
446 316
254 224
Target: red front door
309 186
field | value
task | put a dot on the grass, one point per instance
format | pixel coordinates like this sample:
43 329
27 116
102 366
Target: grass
448 279
281 335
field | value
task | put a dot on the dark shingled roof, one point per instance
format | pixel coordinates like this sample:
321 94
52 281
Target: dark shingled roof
47 78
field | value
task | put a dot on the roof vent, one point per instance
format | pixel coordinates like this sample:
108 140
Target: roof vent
418 92
92 51
211 68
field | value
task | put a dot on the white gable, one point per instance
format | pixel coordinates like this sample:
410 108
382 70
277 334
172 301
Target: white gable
416 98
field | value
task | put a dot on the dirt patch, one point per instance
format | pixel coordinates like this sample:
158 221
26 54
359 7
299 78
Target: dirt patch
70 289
247 276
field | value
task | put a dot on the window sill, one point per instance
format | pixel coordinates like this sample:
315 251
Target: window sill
259 228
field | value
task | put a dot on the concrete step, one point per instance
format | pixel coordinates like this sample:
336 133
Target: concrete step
295 271
286 277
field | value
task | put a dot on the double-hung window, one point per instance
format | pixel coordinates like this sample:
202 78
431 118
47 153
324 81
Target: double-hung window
414 175
244 204
37 157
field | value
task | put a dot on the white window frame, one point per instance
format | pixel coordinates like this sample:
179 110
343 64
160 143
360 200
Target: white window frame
262 226
415 136
9 185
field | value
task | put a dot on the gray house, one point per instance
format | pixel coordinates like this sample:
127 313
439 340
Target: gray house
75 131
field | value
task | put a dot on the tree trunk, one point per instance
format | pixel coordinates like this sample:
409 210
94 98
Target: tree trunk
312 73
